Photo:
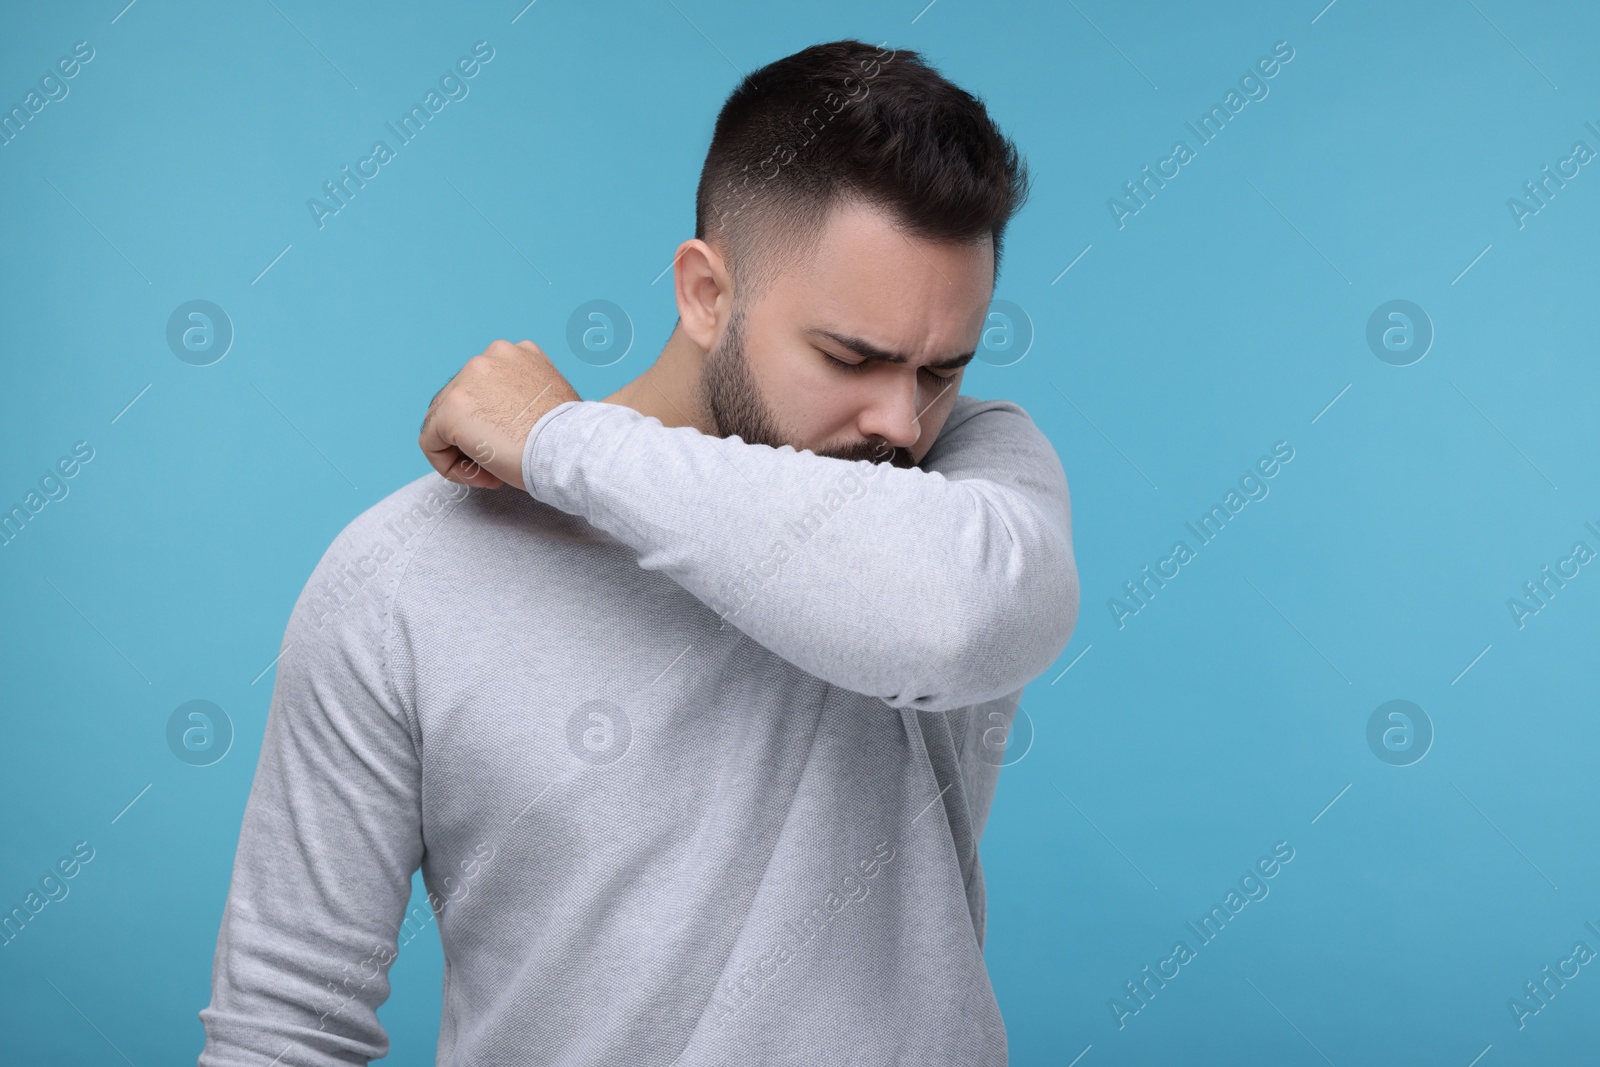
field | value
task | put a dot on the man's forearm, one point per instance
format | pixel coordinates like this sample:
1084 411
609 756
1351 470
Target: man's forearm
932 588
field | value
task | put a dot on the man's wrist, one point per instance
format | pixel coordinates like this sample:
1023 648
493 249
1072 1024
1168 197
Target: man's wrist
536 461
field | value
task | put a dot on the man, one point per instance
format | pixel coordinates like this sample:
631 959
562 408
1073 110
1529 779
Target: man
694 738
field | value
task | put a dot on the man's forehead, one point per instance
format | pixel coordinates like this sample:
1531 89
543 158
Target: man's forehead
852 230
863 255
890 322
863 277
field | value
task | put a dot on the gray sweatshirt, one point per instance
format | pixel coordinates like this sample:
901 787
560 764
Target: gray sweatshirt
694 743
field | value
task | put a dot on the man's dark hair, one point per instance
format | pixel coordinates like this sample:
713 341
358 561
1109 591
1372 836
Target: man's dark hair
845 121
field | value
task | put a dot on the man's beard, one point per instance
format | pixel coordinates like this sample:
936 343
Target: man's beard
737 409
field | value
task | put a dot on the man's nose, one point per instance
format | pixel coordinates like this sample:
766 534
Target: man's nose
895 414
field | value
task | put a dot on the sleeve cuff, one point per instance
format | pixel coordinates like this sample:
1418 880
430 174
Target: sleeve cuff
536 462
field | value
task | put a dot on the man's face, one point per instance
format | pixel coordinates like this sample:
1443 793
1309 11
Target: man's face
866 288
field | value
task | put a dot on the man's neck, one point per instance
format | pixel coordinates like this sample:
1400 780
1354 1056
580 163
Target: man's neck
669 390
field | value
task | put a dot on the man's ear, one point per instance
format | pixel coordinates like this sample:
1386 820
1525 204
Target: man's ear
704 291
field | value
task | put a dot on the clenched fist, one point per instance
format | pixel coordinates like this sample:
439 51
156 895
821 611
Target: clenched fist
477 424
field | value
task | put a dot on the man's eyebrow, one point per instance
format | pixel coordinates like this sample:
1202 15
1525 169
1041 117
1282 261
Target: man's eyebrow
866 350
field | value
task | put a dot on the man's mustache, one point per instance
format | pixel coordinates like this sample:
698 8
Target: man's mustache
874 451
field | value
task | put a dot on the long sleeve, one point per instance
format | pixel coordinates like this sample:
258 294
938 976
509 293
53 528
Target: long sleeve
331 836
931 587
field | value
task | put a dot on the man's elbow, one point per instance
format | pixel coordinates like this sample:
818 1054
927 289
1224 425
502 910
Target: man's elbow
1023 631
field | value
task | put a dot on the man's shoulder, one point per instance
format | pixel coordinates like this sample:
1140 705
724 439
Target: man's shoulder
354 581
438 529
400 523
999 426
968 407
429 509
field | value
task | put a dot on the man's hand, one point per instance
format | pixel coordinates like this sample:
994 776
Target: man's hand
477 424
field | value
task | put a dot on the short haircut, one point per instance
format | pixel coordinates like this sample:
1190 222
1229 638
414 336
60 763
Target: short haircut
848 122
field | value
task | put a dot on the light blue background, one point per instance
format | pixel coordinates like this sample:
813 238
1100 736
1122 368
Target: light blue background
1226 316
